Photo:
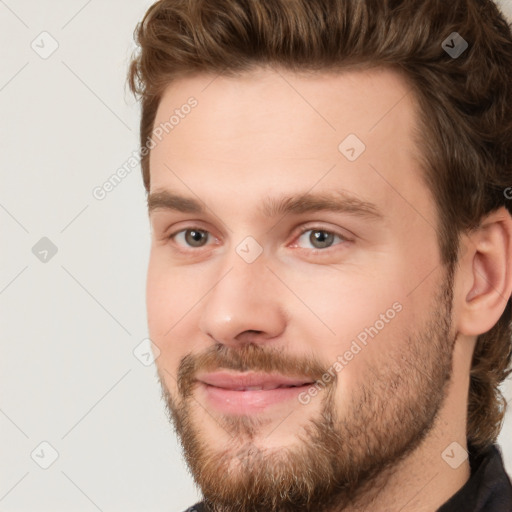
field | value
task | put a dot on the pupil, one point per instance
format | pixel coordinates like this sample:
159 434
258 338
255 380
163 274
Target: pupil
322 238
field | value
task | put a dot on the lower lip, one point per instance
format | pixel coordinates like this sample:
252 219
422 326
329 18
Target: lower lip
248 402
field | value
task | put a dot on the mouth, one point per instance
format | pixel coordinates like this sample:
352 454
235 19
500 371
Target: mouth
243 394
268 387
252 381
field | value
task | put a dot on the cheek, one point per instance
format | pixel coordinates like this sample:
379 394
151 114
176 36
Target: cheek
168 315
157 295
355 318
345 300
170 294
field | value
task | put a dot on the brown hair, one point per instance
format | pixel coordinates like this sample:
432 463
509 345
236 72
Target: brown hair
464 129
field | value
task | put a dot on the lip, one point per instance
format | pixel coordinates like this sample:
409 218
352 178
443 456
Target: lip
241 381
229 401
228 393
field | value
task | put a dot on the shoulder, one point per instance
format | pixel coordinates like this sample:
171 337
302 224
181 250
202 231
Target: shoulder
198 507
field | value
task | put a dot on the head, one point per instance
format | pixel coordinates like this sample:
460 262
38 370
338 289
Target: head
297 118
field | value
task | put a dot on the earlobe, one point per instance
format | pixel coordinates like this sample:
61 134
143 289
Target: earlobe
488 268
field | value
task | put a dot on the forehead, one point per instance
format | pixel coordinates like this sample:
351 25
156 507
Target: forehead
272 129
270 100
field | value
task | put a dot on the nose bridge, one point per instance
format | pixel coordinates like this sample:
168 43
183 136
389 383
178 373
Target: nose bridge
242 298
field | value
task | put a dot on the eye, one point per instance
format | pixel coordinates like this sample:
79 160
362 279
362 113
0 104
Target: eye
320 238
191 237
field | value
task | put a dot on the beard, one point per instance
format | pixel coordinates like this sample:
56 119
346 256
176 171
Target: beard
337 460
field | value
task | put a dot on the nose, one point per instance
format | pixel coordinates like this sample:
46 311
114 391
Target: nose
244 305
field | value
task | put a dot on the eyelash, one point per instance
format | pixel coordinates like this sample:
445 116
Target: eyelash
300 233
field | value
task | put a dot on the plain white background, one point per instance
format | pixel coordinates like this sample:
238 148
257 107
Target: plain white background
70 324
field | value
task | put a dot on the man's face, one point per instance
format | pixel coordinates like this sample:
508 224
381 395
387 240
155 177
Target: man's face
353 298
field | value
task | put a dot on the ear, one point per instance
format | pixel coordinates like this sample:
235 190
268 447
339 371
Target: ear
485 273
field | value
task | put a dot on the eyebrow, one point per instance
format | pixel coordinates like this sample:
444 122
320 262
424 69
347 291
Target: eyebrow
339 202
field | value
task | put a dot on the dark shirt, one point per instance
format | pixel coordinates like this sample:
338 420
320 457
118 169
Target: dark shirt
488 489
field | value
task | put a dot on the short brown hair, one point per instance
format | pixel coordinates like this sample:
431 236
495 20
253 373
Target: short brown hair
464 129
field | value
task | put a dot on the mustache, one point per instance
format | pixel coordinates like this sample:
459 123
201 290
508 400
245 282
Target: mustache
245 358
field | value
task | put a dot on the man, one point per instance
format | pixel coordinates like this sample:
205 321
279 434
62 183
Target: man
329 191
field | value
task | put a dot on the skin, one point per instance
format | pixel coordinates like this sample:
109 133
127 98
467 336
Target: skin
375 435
